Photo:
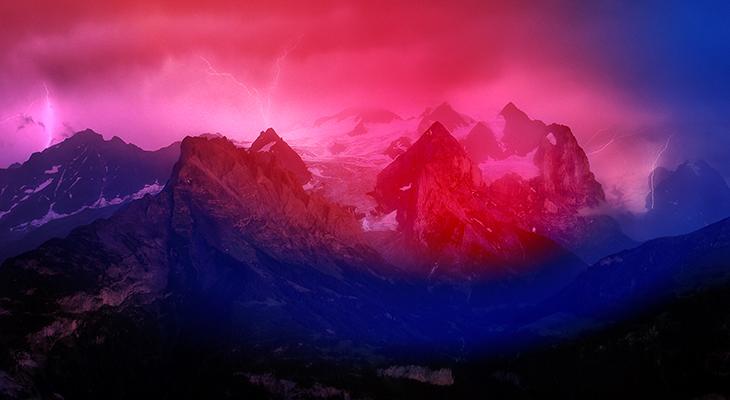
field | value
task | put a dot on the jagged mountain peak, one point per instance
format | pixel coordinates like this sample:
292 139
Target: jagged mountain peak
436 155
271 144
437 145
511 109
442 215
481 143
445 106
680 200
446 115
566 173
521 134
481 126
75 182
365 115
88 132
250 198
88 137
264 138
437 129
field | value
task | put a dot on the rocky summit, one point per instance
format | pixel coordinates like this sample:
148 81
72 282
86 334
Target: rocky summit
563 201
481 143
74 183
442 213
232 259
521 134
269 143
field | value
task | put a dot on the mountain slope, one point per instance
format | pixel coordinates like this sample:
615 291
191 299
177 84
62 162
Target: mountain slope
481 144
563 199
73 183
690 197
658 318
270 143
443 218
658 270
451 119
232 256
521 134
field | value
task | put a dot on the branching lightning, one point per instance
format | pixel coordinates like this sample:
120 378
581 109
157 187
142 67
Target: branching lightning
615 136
48 119
654 166
250 91
593 137
263 101
277 73
25 113
600 149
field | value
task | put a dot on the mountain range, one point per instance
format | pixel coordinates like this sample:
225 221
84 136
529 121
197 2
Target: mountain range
400 266
688 198
74 183
234 252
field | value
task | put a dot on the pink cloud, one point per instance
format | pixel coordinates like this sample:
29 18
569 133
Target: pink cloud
134 69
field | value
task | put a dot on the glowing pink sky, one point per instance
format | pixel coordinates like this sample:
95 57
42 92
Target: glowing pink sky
151 73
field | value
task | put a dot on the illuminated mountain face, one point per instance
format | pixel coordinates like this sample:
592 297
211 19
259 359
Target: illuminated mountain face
236 243
443 213
270 143
236 253
427 241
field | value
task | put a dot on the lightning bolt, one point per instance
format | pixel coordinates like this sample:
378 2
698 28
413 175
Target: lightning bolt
263 101
654 166
20 114
250 91
49 116
593 137
277 72
600 149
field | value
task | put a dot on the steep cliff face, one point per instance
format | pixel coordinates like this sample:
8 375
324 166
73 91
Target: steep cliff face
444 114
690 197
521 134
233 249
216 181
564 199
398 147
565 172
481 144
443 215
437 157
268 142
589 235
565 176
234 257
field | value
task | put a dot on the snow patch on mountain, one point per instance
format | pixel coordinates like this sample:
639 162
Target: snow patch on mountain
102 202
40 187
53 170
50 216
387 222
267 147
8 211
523 166
152 189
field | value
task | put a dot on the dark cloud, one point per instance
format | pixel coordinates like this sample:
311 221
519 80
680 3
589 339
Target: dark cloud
136 64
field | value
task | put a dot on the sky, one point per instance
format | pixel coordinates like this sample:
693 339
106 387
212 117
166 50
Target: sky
634 74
